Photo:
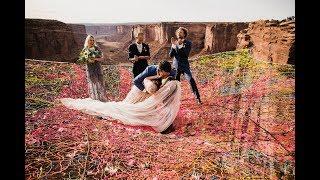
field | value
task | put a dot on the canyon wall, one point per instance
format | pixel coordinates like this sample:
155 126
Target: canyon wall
154 35
152 32
112 32
52 40
206 37
79 32
158 37
272 41
113 39
222 37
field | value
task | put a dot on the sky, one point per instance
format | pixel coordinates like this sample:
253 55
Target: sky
125 11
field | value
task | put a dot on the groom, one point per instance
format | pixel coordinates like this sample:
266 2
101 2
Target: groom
162 70
180 51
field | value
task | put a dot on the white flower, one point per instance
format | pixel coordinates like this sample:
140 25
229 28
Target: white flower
145 165
131 162
198 142
196 175
138 131
172 136
111 170
71 155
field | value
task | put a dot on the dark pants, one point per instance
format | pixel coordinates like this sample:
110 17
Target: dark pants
139 67
188 75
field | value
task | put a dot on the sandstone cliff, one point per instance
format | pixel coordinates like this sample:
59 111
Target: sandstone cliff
79 32
267 40
272 41
206 37
111 32
52 40
113 39
222 37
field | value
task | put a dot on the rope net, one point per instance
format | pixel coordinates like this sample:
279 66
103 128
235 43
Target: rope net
244 129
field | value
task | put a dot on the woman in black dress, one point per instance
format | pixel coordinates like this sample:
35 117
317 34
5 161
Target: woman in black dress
94 71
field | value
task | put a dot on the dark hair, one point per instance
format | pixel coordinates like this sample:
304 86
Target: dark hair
164 66
140 33
185 31
157 82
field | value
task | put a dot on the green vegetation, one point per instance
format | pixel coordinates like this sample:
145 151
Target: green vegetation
42 84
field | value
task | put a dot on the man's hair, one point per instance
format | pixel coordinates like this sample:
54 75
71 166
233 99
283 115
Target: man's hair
164 66
185 31
140 33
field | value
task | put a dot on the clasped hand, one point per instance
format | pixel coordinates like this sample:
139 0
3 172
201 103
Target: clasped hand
176 41
137 58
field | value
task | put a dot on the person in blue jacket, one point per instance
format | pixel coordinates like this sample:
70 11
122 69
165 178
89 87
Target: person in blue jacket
180 50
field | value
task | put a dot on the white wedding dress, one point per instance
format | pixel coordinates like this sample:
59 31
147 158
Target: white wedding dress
138 108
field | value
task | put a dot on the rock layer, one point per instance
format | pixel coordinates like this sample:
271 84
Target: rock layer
206 37
52 40
222 37
272 41
111 32
79 32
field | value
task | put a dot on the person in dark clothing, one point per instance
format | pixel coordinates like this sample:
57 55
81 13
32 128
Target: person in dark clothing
139 54
94 70
180 51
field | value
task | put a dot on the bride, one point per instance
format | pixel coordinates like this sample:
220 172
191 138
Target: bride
156 106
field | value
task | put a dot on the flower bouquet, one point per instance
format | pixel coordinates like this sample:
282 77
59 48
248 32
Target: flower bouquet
87 55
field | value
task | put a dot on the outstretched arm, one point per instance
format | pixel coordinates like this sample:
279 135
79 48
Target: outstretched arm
138 80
